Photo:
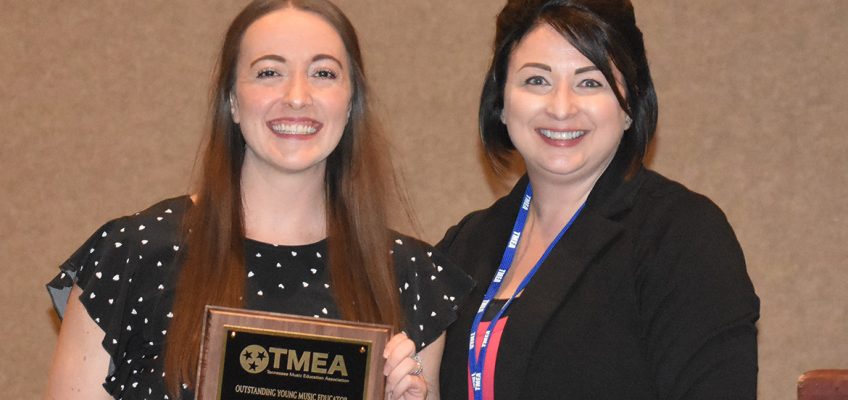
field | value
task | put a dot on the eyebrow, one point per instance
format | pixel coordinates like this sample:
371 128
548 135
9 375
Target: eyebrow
281 59
586 69
548 68
536 65
320 57
272 57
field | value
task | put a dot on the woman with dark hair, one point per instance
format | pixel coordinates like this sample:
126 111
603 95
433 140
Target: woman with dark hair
289 215
600 279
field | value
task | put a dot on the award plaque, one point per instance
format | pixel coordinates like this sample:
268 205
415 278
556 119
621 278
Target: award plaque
248 354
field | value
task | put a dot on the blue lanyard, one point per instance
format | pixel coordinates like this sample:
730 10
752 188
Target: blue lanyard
476 364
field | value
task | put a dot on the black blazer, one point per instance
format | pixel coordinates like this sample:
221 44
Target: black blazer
645 297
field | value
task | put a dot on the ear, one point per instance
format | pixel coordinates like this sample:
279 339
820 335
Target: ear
627 122
503 116
234 111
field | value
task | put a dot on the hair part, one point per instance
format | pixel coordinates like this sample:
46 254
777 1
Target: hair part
358 179
605 32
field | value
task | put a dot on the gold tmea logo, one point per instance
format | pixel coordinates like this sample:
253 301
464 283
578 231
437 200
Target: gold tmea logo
254 359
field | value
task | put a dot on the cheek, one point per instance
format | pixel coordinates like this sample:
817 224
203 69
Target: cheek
255 100
337 105
607 111
511 106
520 108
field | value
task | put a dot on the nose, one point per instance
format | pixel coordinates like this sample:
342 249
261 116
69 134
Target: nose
562 102
298 93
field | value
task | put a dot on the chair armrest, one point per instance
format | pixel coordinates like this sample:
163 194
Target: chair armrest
823 384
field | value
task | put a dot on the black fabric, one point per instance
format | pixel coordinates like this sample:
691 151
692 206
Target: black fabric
646 297
492 310
127 271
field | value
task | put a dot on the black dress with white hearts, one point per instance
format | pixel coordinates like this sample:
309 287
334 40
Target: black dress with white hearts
127 271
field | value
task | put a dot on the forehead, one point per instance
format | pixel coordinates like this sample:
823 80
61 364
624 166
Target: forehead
293 34
544 44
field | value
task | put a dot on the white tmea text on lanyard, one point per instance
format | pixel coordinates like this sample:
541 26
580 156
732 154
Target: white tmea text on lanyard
476 363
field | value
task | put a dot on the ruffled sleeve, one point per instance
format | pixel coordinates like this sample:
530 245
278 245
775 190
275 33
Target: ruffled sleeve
124 271
431 289
101 256
97 268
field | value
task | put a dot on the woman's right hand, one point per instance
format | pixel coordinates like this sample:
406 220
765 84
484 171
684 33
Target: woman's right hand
404 379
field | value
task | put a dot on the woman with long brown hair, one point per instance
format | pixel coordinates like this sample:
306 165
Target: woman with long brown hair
289 215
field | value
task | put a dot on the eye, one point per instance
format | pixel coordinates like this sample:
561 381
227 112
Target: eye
267 73
590 83
325 74
535 81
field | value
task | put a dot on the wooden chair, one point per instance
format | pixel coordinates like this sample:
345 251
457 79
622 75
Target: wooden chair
823 384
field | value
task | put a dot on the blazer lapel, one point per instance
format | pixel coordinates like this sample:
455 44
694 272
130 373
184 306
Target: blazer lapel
548 290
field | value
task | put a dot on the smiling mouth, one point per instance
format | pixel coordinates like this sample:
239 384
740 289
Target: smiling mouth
561 135
293 129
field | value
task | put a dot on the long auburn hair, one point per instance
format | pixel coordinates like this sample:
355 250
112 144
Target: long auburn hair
358 179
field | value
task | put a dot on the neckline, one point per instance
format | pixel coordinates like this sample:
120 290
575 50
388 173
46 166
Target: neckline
319 244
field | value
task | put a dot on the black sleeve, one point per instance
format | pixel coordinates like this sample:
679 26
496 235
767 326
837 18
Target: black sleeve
100 267
700 309
431 288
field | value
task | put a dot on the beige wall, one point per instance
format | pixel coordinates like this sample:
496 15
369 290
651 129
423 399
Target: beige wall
103 104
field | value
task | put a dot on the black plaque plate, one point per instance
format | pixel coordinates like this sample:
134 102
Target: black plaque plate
259 355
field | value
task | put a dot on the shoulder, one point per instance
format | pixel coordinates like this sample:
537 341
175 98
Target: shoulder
167 213
664 201
682 238
162 220
147 230
657 186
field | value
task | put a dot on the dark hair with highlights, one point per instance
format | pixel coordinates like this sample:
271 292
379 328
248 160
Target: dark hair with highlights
358 180
605 32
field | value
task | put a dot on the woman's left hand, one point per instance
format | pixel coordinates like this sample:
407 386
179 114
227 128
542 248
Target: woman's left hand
404 379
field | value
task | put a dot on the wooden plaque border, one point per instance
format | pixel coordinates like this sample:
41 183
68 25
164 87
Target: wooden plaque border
218 320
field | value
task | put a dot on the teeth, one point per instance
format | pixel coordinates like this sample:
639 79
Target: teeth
561 135
293 129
